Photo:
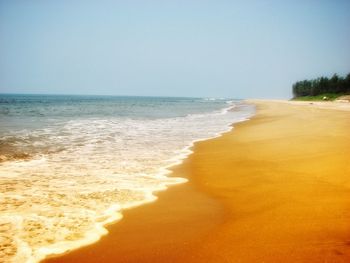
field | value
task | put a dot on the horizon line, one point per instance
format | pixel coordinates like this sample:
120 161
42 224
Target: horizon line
119 95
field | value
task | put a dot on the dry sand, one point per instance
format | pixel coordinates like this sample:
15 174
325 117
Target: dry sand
275 189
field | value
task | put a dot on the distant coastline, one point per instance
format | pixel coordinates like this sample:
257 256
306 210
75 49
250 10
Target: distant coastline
322 88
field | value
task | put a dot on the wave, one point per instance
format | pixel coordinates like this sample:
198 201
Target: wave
62 199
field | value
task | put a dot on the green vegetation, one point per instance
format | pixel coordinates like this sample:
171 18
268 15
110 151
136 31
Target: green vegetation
328 96
321 88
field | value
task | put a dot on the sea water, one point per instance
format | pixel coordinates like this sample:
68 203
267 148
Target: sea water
70 164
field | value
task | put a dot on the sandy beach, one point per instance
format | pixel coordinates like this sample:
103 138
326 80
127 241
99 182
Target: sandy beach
274 189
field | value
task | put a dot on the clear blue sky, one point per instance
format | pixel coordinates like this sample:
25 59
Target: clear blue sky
171 48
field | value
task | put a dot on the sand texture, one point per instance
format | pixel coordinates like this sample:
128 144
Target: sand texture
274 189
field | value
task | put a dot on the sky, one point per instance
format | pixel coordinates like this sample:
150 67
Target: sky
199 48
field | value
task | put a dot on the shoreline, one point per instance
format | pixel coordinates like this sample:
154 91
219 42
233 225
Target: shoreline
153 196
173 150
232 224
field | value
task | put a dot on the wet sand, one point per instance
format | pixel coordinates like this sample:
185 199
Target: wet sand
275 189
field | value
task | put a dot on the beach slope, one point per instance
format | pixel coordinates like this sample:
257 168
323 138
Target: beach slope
274 189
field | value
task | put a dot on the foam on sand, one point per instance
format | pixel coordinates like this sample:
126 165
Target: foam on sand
87 171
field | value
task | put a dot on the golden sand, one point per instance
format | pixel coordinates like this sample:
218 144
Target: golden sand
275 189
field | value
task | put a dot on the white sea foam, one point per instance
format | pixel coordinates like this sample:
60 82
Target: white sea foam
92 170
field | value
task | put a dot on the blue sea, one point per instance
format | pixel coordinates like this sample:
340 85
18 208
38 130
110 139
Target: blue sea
69 165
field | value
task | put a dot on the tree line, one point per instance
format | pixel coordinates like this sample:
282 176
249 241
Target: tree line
322 85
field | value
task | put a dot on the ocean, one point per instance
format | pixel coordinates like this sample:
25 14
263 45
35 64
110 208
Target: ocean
69 165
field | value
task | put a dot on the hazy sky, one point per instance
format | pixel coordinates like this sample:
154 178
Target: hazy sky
171 48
